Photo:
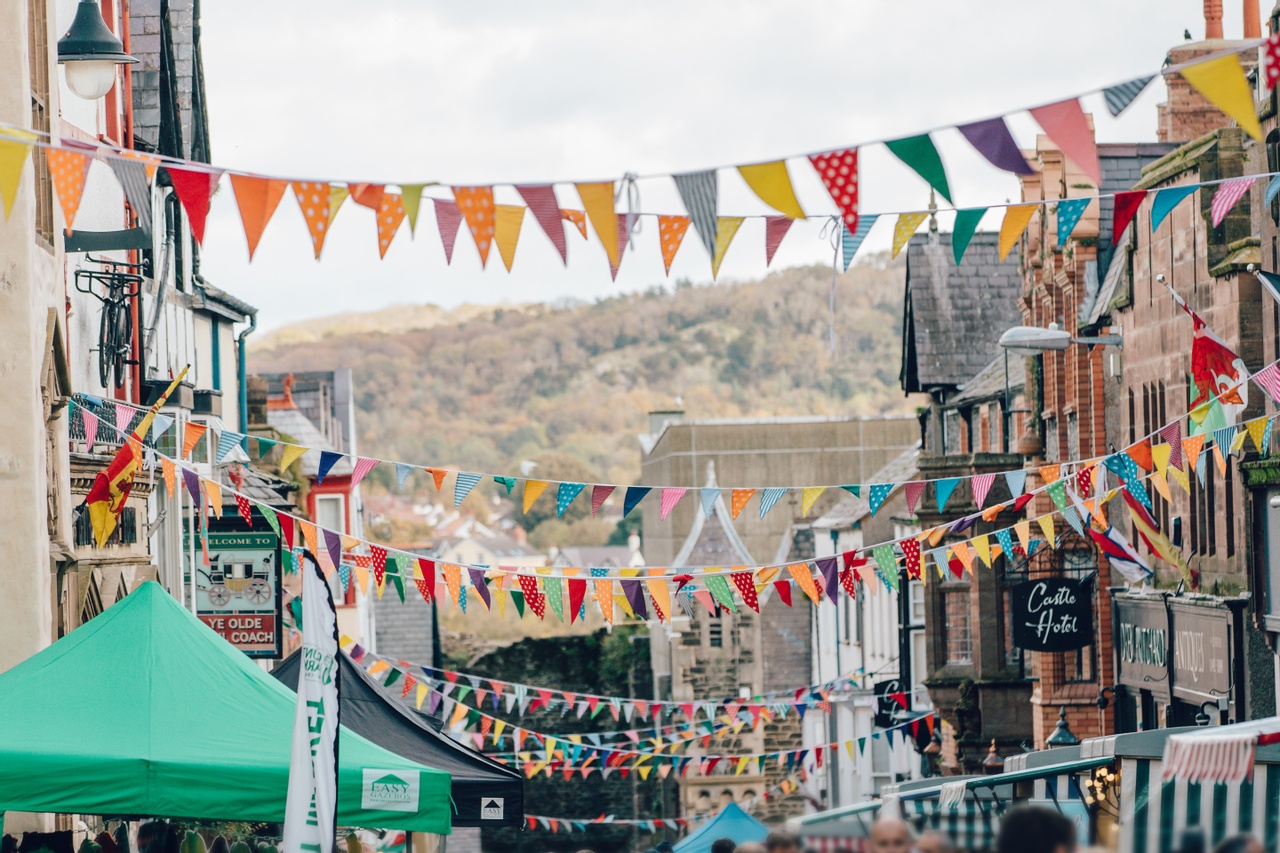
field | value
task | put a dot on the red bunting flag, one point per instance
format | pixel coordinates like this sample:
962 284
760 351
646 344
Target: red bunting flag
379 563
746 584
195 190
775 228
427 583
839 173
784 591
1127 204
246 512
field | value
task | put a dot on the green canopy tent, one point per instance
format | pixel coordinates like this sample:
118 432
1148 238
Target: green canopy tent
146 712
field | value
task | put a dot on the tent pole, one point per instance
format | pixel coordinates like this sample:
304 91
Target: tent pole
192 546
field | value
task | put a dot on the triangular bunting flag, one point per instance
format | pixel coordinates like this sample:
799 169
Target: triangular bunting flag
533 489
194 189
1223 83
1016 219
838 171
546 212
851 241
1069 212
448 220
992 139
738 499
257 198
506 231
771 182
726 230
699 192
1166 200
566 494
476 205
768 498
1068 127
463 483
597 200
390 214
68 169
903 229
921 155
599 494
1121 95
962 230
313 201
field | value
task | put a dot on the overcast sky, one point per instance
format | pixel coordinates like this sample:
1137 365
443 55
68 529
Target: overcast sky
559 90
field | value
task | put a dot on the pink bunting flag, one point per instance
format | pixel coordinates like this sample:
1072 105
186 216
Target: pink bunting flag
1068 127
363 466
624 240
981 484
448 219
1172 433
90 428
542 203
1229 192
914 490
775 228
704 598
124 414
670 497
1269 378
599 494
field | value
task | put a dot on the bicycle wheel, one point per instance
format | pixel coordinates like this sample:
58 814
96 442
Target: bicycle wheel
124 340
106 343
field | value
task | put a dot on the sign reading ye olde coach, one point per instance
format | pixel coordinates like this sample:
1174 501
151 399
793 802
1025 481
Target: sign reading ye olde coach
238 593
1052 615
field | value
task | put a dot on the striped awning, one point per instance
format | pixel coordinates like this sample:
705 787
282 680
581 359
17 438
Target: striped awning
969 826
844 822
1155 813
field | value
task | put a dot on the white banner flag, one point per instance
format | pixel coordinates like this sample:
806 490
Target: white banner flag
312 806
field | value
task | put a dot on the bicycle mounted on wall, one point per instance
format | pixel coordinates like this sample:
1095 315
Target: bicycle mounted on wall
115 331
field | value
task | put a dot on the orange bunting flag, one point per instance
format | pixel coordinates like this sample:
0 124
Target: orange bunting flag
1023 529
1191 448
476 204
390 215
367 195
671 231
257 198
437 476
68 169
597 200
191 434
738 499
1050 473
453 580
170 475
213 491
1141 453
604 599
661 595
533 489
506 231
314 202
577 219
961 550
803 575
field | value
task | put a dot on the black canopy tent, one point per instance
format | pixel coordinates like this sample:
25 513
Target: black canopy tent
481 786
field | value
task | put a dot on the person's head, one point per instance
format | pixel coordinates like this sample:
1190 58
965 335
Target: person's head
723 845
933 841
749 847
1035 829
891 835
782 841
663 847
1243 843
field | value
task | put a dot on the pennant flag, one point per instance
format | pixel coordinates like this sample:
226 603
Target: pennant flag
328 459
15 145
90 421
1017 481
921 155
411 201
227 441
1016 219
362 467
313 201
1069 213
1223 83
507 221
829 567
192 481
839 173
771 182
68 169
879 493
725 232
632 497
942 490
775 228
134 178
810 494
1165 201
1228 193
993 140
1268 378
624 240
768 498
982 547
546 212
1046 526
746 585
599 494
699 192
1172 433
257 198
195 190
367 195
1191 448
709 497
962 230
1067 126
671 231
803 576
463 483
476 206
903 229
390 214
577 592
670 497
597 200
851 241
888 564
738 499
1271 61
1121 555
533 489
448 219
192 432
1257 430
577 218
981 485
1120 96
337 195
914 490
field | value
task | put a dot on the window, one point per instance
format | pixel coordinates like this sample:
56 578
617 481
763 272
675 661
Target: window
846 617
329 513
957 634
38 54
126 532
1133 418
1051 449
1230 521
993 428
917 602
951 432
1073 436
715 633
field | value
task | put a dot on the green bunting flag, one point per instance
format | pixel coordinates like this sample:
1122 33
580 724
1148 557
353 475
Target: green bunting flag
920 154
962 230
265 446
888 564
551 588
509 482
718 586
1058 491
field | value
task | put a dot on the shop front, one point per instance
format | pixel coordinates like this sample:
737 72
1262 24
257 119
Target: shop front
1179 660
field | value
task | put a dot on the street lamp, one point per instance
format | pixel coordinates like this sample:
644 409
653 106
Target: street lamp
91 52
1062 735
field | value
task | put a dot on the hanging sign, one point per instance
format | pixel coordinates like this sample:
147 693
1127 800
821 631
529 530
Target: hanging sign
890 698
1052 615
238 593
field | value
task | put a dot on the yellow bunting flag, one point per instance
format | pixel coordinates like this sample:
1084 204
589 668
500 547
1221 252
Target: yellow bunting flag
453 580
314 202
726 229
257 198
1158 479
390 215
982 547
803 575
1257 429
68 169
1016 219
903 229
1180 477
420 695
337 195
808 496
362 580
350 542
213 491
290 455
738 499
597 200
411 198
15 145
1046 524
1050 473
1238 441
506 231
476 204
671 231
460 714
191 435
532 490
660 593
1224 85
772 183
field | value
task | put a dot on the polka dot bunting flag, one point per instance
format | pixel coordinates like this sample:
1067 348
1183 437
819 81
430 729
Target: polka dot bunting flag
747 589
390 215
68 169
476 204
313 200
839 173
738 499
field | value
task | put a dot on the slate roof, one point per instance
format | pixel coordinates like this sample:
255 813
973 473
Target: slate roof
1121 164
851 510
953 316
293 423
989 382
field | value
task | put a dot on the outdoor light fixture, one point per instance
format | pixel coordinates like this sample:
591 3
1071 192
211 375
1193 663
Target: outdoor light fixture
1028 341
1062 734
91 52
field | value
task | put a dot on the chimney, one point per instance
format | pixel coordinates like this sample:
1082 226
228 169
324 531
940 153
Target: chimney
1252 24
1213 19
1187 115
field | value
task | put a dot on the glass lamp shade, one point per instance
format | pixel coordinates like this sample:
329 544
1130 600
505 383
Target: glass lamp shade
91 78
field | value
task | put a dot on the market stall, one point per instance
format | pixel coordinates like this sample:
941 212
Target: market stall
730 822
485 793
968 816
836 830
146 712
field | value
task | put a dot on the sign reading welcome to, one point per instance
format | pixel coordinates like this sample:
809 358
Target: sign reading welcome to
1052 615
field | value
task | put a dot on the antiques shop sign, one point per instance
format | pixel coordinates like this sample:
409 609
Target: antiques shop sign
1052 615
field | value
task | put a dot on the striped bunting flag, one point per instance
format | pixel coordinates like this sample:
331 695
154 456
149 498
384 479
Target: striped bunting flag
1269 379
90 427
699 191
775 228
227 441
1120 96
160 425
462 486
981 484
448 218
363 466
1229 192
670 497
132 175
768 498
851 241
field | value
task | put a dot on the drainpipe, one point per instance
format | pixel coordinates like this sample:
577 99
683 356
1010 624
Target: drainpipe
241 360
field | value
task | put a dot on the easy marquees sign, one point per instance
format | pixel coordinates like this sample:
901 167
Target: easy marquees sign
1052 615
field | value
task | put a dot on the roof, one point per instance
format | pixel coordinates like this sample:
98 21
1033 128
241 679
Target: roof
150 755
604 556
299 428
499 544
851 510
953 316
258 486
713 541
989 382
730 822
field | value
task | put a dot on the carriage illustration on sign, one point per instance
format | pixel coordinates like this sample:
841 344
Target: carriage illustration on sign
239 575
